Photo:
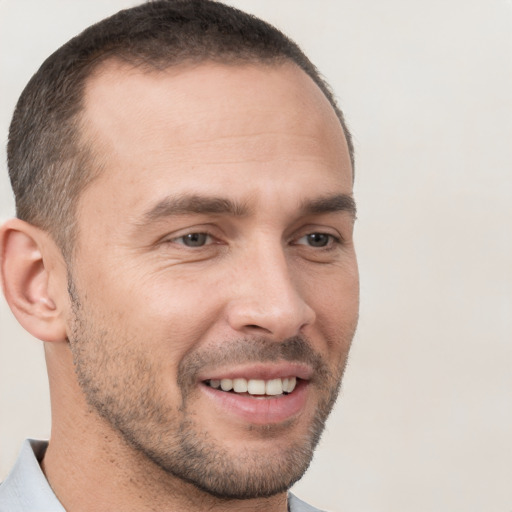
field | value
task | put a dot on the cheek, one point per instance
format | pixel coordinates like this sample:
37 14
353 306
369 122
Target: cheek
332 285
335 300
168 313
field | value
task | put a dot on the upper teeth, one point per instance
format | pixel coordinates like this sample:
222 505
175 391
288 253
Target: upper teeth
256 386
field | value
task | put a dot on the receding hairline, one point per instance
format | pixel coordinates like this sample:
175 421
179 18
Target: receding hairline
49 159
112 66
99 151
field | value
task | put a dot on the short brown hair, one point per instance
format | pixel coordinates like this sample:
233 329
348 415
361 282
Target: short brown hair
49 164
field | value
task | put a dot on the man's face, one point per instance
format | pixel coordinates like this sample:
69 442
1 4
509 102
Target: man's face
215 250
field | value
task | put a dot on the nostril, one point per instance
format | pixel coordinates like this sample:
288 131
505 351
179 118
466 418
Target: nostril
255 327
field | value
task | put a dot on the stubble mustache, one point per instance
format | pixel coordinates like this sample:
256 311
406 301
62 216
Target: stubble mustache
296 349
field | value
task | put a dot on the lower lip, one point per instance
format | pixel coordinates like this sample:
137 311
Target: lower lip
260 411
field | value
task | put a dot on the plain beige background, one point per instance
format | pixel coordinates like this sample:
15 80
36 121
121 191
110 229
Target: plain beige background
425 419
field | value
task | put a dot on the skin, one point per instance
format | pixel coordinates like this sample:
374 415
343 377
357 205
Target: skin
150 317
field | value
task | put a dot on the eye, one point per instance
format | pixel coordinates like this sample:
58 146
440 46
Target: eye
317 240
194 239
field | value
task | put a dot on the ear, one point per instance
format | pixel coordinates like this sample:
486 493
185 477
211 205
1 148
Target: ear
29 262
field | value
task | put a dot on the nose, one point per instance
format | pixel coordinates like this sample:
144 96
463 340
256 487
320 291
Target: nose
266 298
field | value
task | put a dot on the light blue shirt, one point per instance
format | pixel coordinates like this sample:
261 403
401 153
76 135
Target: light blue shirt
26 489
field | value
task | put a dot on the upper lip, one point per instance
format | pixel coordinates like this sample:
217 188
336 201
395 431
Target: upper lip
262 371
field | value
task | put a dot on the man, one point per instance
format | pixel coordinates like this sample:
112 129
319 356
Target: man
183 248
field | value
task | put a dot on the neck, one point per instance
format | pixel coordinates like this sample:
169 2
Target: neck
102 476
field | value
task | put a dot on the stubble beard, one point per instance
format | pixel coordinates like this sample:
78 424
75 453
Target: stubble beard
131 402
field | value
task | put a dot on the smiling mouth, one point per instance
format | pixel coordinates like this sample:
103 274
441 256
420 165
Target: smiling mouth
255 387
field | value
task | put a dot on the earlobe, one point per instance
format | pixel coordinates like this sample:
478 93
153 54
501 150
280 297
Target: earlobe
26 263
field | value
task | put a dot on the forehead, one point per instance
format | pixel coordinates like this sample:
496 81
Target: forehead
209 125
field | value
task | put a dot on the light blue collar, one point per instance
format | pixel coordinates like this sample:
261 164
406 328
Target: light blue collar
26 489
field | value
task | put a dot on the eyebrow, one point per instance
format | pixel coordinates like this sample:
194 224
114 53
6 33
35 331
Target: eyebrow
193 204
330 204
197 204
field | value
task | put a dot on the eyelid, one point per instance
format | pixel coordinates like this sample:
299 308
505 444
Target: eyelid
181 233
